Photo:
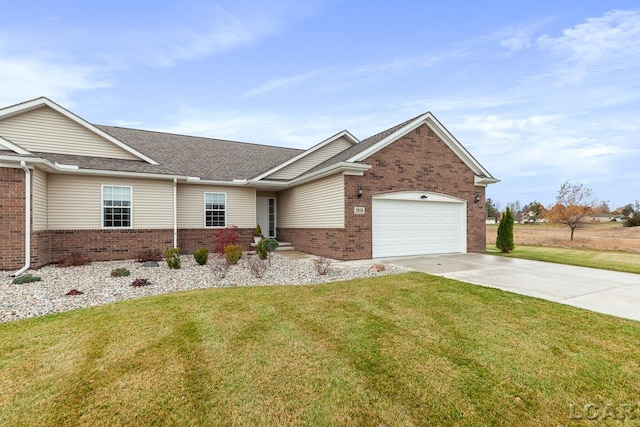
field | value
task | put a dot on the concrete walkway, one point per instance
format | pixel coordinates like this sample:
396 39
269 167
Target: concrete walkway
603 291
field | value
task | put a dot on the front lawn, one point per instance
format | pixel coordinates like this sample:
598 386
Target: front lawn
411 349
606 260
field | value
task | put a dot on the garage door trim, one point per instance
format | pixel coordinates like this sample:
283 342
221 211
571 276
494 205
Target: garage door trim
426 197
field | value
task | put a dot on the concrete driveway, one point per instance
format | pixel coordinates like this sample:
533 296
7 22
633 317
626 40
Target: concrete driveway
603 291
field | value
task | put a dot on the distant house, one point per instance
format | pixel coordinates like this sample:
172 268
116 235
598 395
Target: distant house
605 218
70 185
490 220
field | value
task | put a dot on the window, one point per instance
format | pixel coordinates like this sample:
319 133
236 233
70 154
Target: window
116 206
215 210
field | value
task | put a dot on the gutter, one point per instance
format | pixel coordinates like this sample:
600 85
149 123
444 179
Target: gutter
27 220
175 213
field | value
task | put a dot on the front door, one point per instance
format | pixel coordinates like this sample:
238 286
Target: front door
266 215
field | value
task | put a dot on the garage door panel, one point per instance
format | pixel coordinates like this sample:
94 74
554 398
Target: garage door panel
411 227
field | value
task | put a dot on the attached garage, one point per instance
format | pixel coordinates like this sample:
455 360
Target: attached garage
414 223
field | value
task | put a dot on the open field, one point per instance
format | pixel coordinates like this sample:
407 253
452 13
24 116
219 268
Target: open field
409 349
610 236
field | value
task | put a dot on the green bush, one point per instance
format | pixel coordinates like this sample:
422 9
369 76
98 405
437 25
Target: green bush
632 220
270 244
26 278
233 253
201 256
504 241
120 272
257 231
261 251
172 255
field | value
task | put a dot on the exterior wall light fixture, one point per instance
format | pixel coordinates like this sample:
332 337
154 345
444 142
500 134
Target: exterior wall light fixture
360 192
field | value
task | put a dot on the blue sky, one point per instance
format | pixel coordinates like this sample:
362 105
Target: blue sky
540 92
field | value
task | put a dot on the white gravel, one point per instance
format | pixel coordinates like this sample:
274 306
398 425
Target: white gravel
18 301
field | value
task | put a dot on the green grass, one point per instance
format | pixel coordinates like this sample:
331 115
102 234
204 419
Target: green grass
607 260
410 349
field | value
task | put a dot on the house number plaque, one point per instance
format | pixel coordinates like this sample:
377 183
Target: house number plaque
358 210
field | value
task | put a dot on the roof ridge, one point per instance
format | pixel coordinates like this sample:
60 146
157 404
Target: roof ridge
197 137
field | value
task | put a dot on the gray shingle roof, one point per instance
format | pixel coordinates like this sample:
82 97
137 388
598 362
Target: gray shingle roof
358 148
106 164
207 158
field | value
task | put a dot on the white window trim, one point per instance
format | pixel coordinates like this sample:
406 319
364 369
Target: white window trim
204 210
102 226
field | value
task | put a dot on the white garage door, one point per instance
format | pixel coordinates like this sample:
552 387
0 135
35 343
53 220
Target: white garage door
409 224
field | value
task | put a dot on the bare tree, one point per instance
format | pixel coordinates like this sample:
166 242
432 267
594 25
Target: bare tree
573 203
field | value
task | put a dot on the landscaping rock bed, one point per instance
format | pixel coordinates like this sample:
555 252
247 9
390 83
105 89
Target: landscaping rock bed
53 293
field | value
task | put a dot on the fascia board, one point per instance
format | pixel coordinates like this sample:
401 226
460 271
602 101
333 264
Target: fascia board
13 147
305 153
389 139
442 132
42 101
76 170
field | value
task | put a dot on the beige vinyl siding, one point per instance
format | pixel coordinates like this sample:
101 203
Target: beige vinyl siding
46 130
39 200
318 204
241 205
75 201
314 159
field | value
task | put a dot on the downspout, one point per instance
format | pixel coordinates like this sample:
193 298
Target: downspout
175 213
27 220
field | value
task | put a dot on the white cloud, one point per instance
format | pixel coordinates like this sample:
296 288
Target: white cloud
516 43
600 45
42 75
210 30
284 82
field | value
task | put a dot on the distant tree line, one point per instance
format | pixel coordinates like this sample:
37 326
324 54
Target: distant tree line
574 203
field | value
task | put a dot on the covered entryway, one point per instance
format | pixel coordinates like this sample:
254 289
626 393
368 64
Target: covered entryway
266 215
417 223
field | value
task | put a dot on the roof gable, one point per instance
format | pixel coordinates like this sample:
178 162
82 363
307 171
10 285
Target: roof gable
361 151
311 157
44 126
430 120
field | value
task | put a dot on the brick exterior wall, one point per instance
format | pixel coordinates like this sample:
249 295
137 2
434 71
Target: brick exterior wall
328 242
12 205
419 161
190 240
105 245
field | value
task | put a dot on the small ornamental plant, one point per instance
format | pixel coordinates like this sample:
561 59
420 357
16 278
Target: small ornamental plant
137 283
219 266
74 259
26 278
257 231
224 237
322 265
257 266
150 255
233 253
172 255
270 245
120 272
261 251
201 256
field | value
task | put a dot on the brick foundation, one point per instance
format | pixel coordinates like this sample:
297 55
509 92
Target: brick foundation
106 245
192 239
12 205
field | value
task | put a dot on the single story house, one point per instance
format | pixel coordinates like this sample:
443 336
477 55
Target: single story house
69 185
